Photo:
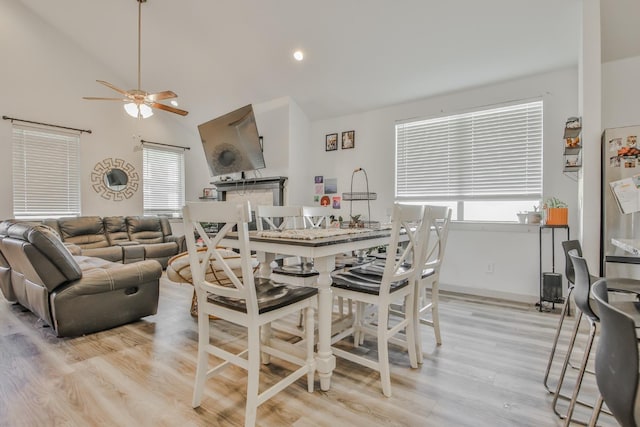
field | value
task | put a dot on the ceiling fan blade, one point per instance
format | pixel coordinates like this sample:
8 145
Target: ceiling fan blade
167 94
168 108
107 84
94 98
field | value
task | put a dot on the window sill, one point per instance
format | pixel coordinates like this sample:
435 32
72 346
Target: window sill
504 227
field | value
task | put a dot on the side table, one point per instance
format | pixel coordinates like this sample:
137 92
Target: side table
544 298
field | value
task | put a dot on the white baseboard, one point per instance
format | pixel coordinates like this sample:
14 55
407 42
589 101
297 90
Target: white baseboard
488 293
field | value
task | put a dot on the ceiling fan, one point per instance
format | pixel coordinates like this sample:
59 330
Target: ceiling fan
139 103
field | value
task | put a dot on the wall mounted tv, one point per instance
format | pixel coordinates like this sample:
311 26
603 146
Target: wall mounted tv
231 142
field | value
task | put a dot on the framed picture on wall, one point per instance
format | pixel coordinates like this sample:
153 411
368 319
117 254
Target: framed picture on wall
348 139
331 142
209 193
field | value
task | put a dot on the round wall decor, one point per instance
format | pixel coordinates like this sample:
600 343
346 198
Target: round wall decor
114 179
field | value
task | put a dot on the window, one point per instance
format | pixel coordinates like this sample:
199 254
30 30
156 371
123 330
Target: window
163 181
46 173
486 164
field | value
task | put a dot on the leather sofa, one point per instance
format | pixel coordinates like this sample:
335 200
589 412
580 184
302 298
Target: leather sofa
119 238
75 295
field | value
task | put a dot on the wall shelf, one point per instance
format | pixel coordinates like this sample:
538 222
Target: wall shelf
572 155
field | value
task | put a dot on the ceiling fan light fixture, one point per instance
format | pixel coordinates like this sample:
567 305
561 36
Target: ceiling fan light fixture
138 110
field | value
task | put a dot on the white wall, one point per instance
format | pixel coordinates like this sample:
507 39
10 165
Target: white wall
299 128
590 104
620 93
510 250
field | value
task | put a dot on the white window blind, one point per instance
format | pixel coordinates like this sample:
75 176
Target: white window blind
46 173
493 154
163 181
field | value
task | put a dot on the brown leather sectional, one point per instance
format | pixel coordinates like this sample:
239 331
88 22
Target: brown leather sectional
75 295
124 239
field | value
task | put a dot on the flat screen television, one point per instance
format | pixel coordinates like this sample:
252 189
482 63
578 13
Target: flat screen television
231 142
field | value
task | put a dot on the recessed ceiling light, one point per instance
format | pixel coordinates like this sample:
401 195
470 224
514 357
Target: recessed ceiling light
174 102
298 55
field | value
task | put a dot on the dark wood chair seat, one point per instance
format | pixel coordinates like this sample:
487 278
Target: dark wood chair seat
270 295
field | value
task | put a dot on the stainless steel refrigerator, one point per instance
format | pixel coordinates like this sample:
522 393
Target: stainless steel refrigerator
620 211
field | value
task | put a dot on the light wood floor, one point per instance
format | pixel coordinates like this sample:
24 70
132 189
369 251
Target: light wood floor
488 372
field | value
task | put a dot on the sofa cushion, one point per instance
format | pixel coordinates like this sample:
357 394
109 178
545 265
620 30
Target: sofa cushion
85 231
99 275
116 229
110 253
145 229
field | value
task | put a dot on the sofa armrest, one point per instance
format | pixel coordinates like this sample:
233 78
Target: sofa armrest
180 241
112 276
133 253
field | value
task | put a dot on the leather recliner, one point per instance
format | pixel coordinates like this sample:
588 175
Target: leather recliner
75 295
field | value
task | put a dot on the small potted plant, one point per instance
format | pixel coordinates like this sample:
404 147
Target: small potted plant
556 212
356 222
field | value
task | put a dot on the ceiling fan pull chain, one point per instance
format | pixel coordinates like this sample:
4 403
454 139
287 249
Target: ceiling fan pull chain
139 38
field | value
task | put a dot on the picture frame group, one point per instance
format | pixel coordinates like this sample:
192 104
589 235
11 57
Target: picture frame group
348 140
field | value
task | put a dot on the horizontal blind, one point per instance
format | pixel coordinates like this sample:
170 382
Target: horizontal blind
46 173
163 181
493 154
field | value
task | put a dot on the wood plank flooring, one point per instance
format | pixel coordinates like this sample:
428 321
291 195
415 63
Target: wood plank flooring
488 372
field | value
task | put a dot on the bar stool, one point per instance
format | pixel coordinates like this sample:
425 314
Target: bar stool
567 246
617 284
581 297
617 359
583 303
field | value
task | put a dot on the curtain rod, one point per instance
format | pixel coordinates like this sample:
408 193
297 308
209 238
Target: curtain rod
166 145
13 119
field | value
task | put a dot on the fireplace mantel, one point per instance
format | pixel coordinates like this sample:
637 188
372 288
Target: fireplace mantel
276 184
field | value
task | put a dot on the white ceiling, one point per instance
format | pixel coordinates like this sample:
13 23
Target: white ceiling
360 54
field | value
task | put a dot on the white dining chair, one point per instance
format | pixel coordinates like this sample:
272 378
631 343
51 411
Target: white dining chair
278 217
429 280
320 217
247 301
380 287
294 270
316 216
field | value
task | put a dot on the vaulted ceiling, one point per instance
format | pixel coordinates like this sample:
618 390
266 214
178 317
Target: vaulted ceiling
359 54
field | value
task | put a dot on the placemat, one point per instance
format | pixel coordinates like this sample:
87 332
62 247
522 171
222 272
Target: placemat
310 233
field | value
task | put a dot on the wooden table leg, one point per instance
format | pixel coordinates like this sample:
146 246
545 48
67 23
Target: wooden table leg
325 360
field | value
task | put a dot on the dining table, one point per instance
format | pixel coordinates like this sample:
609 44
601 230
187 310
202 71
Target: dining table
321 245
